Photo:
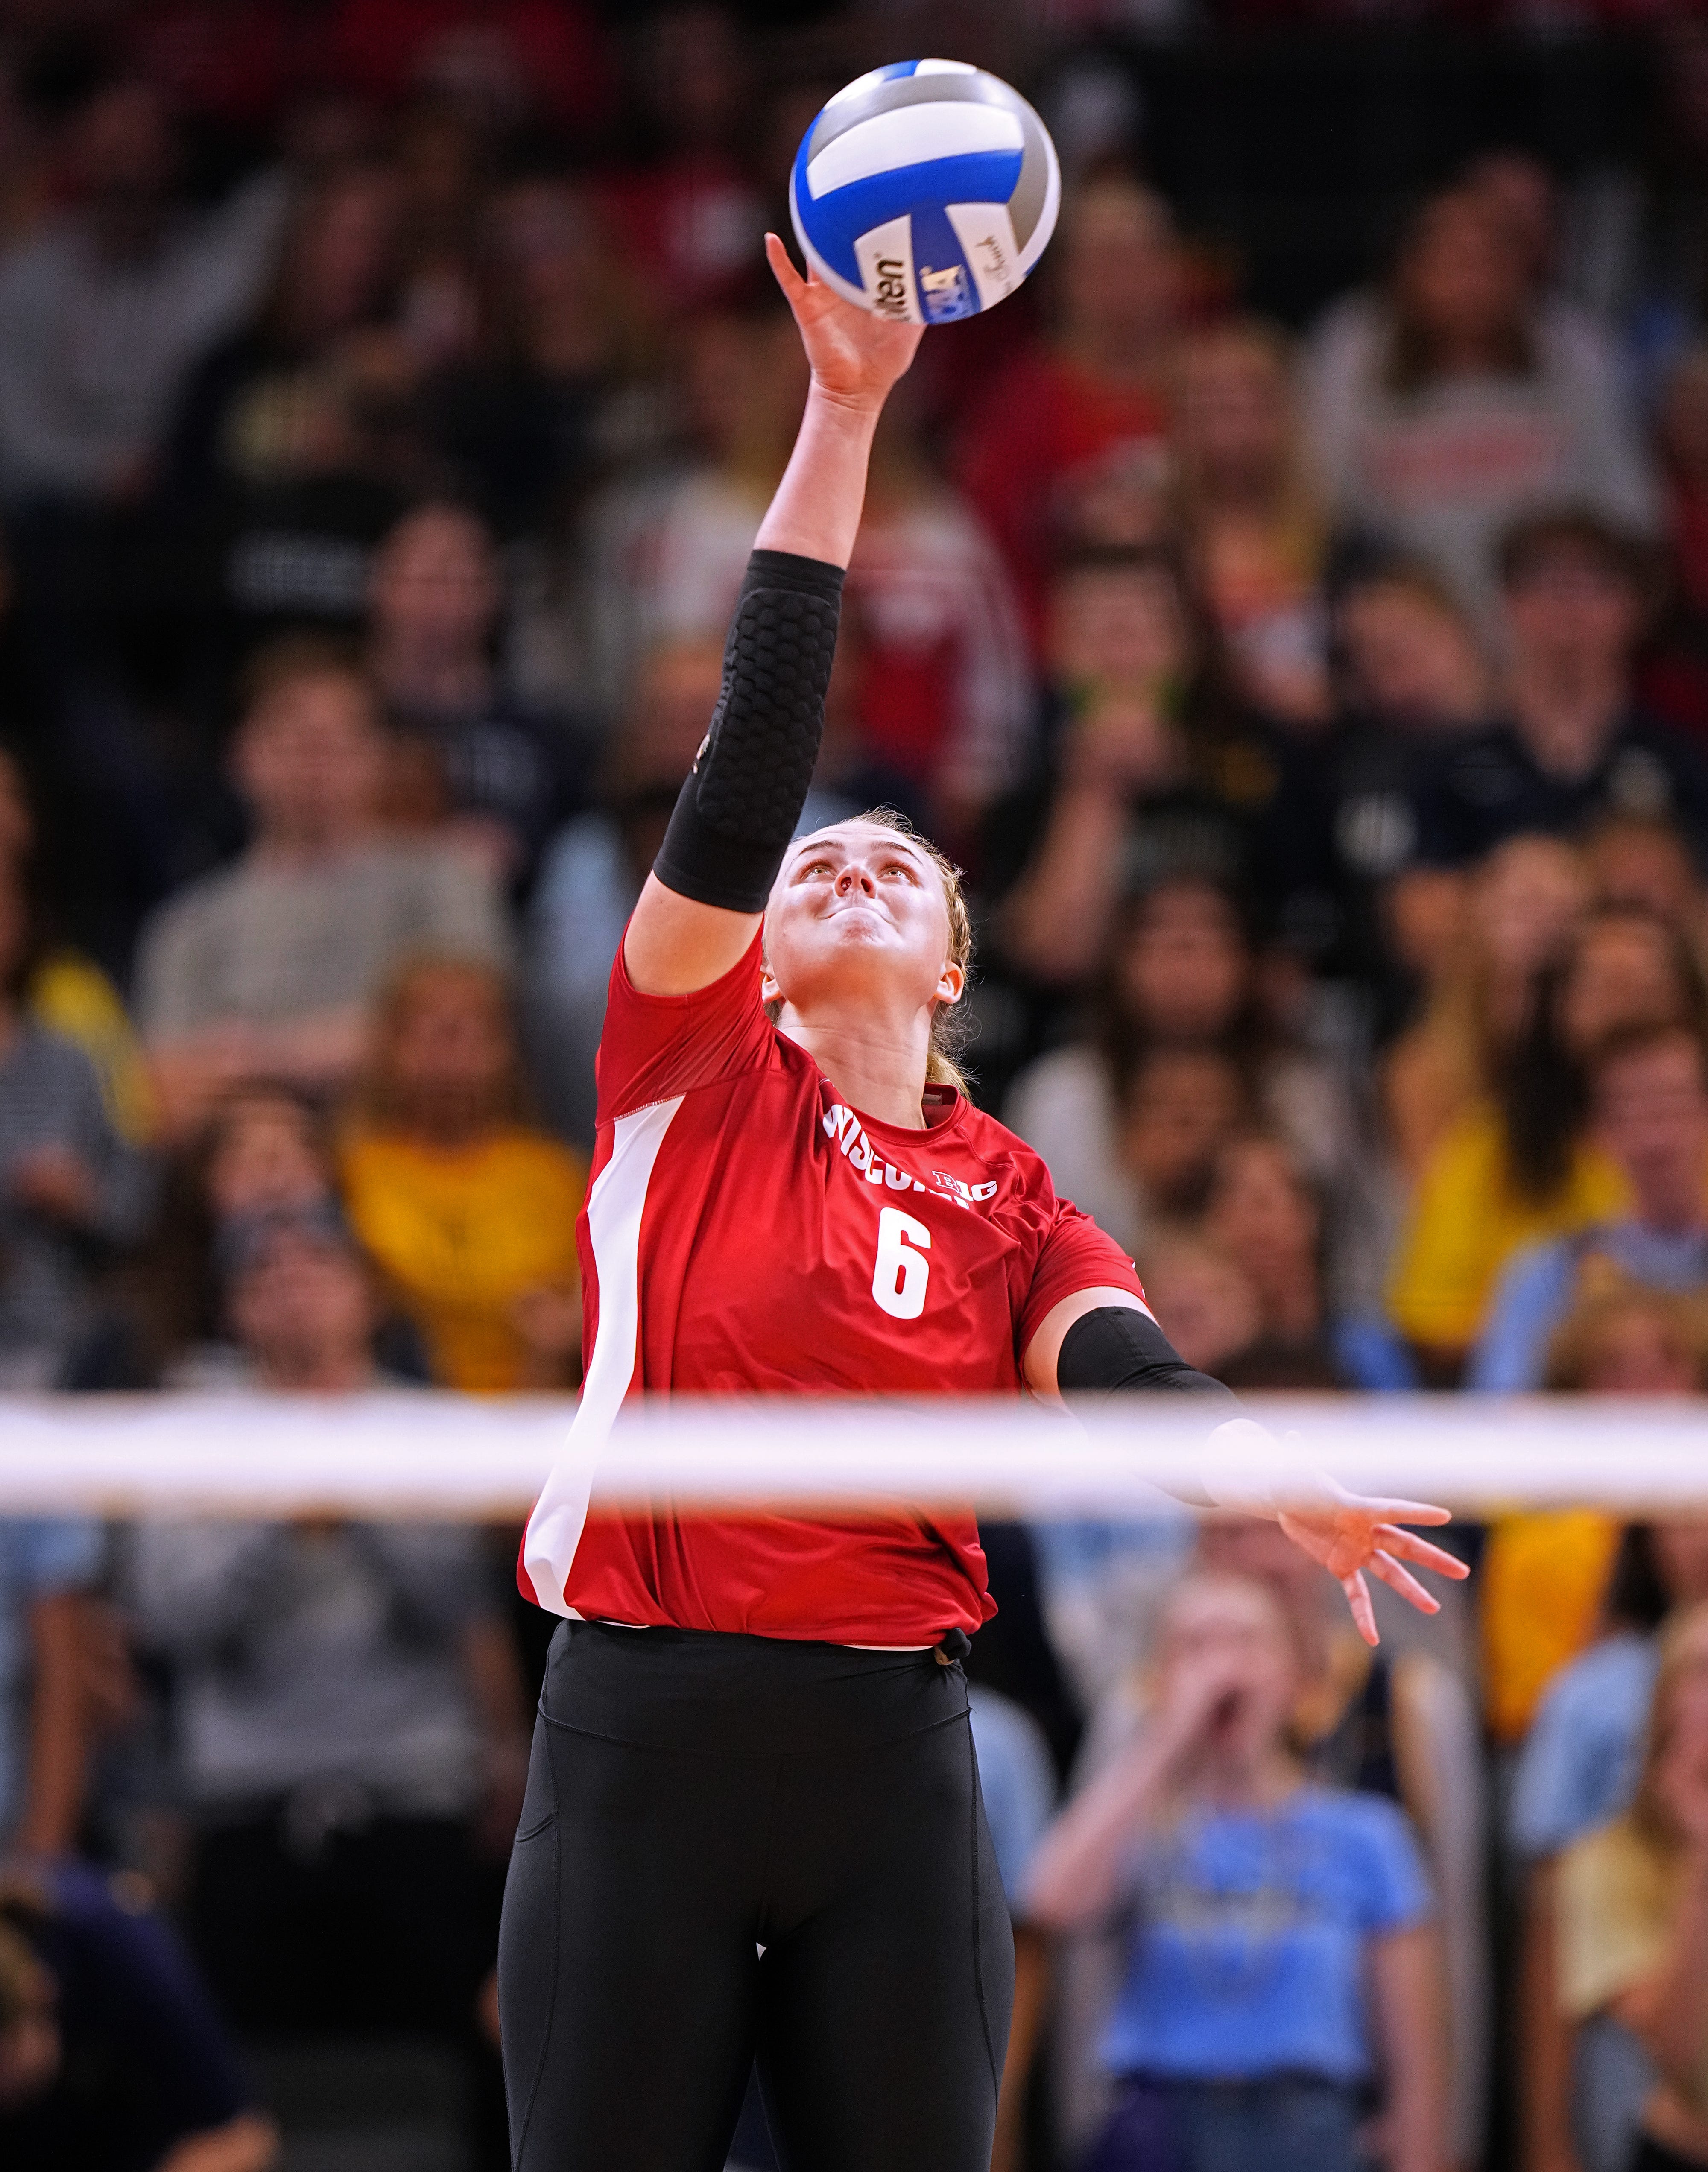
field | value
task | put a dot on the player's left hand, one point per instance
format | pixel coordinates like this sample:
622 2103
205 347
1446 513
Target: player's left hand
1349 1535
856 355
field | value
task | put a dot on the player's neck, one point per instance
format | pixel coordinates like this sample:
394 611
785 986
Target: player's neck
877 1065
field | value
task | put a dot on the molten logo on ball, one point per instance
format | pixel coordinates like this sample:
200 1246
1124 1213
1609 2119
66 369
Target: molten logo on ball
889 295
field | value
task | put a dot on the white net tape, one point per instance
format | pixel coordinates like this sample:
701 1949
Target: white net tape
426 1454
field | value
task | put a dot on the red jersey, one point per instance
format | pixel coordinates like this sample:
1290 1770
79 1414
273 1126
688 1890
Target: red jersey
746 1232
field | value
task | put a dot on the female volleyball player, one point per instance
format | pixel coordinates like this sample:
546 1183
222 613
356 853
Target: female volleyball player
752 1822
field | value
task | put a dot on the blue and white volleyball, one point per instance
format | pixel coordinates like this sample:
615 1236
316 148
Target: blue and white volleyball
925 190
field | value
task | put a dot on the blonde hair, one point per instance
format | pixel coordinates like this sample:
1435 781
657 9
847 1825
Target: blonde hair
948 1030
1677 1652
1605 1299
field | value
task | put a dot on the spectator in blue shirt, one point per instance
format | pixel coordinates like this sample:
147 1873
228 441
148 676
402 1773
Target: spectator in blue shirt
1579 1761
1282 1956
43 1566
1649 1096
111 2056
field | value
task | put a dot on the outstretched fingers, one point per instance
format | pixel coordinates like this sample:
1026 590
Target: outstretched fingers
1358 1598
1403 1581
1403 1511
784 273
1408 1547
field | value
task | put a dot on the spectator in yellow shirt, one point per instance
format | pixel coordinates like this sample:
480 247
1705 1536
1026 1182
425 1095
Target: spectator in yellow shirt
468 1211
1520 1167
1547 1573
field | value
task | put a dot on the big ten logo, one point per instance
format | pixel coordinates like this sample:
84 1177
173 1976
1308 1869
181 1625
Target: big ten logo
963 1193
945 295
890 298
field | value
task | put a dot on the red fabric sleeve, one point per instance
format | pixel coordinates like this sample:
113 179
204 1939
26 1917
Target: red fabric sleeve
655 1047
1077 1255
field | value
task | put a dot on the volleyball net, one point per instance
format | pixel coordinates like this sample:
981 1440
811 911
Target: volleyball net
429 1454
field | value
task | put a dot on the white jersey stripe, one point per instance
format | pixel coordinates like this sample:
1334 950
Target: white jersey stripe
615 1207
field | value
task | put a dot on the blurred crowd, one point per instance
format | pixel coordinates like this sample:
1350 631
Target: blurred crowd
388 396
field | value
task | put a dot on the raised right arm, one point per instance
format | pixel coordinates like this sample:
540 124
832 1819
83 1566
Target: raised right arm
738 810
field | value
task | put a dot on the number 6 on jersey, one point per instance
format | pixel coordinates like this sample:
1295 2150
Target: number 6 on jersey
900 1278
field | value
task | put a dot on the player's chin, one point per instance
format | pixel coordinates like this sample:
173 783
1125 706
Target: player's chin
861 926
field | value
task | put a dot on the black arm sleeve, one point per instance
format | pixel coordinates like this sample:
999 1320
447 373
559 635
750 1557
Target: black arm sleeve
1117 1348
738 808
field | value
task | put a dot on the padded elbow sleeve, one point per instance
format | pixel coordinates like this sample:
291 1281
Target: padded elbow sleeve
1117 1349
738 808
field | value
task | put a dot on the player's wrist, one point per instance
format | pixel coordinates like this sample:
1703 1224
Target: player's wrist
853 411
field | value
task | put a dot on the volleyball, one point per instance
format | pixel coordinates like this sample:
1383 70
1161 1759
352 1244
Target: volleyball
925 190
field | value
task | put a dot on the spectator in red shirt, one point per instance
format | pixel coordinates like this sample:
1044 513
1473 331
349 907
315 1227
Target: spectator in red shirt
942 692
1067 445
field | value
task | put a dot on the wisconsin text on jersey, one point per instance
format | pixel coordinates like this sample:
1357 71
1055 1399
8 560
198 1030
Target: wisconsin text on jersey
842 1124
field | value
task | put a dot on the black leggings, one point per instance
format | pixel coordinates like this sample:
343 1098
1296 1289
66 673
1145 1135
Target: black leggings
736 1847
